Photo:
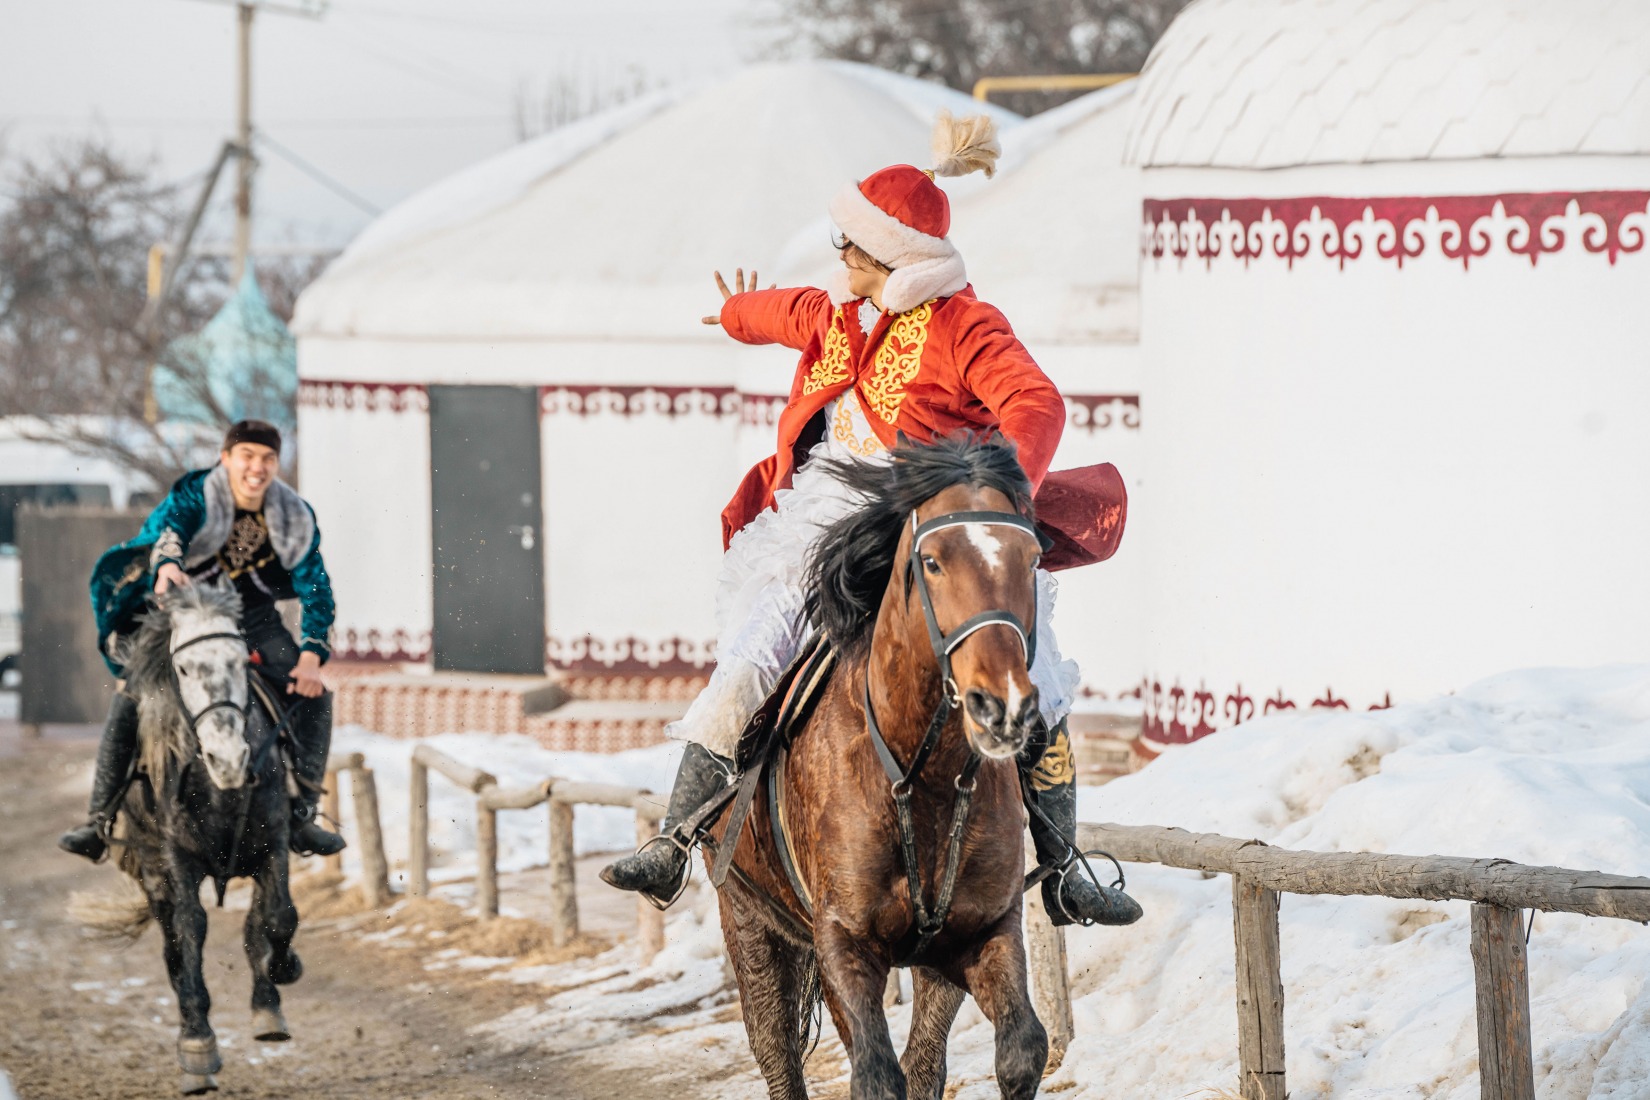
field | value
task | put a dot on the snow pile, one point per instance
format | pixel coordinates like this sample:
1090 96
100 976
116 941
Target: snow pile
516 761
1541 767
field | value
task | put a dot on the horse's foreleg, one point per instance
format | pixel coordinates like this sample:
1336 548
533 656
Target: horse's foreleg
184 923
934 1004
270 924
996 975
771 973
854 980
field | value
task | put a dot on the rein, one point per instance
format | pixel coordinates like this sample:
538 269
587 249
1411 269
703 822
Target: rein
929 921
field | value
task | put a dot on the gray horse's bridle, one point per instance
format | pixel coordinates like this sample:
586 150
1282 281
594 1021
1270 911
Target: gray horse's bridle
216 704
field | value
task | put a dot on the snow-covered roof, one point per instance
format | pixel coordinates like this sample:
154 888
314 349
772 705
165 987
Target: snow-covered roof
613 232
1277 83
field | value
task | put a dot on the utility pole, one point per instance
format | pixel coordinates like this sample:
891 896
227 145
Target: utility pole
243 138
245 163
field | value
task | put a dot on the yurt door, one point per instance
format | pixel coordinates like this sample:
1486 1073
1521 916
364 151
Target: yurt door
488 529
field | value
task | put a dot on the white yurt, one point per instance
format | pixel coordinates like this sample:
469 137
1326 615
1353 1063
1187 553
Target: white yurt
517 432
1395 350
1054 243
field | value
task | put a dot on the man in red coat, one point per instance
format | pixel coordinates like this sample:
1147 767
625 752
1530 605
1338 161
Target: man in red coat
899 345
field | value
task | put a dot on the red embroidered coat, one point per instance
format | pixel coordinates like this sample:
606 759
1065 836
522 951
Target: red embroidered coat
950 364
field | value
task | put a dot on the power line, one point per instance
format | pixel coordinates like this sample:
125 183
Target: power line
434 76
316 174
288 123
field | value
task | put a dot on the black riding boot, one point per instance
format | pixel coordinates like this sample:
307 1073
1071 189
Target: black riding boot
114 764
658 868
1068 894
311 741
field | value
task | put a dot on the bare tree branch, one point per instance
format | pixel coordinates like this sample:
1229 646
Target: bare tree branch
956 42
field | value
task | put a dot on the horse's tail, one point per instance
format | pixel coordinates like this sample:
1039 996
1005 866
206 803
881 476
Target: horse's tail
809 1018
119 913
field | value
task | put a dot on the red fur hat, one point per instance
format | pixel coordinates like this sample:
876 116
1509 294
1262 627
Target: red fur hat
900 216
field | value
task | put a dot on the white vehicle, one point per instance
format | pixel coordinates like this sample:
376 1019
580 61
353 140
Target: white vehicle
37 472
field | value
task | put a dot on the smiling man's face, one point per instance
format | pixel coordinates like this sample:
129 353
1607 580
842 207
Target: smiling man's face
251 466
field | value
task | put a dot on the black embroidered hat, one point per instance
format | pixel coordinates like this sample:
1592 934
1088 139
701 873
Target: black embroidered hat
260 432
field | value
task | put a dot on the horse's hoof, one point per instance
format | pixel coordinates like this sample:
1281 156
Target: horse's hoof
199 1056
287 969
269 1026
193 1084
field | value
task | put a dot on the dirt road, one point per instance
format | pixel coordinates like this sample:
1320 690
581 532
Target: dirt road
85 1020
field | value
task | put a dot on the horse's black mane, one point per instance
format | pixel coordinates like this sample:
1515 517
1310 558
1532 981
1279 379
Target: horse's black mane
848 568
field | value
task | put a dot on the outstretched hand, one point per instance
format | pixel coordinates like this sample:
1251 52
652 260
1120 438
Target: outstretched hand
739 285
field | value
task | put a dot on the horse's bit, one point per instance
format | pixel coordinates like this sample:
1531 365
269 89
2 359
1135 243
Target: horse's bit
930 921
216 704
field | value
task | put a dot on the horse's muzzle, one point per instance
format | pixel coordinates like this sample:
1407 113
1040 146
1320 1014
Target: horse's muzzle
994 732
226 763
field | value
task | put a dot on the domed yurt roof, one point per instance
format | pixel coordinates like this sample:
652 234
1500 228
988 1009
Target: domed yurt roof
1054 240
613 231
1280 83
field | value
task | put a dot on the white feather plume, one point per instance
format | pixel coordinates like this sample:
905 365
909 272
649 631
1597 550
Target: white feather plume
964 145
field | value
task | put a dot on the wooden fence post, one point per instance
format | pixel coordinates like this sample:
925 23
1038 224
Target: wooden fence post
330 809
418 830
1050 985
650 922
564 901
375 869
1259 991
486 860
1505 1064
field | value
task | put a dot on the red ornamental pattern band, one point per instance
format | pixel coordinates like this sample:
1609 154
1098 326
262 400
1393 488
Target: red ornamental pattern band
393 397
1086 412
371 644
630 656
1178 716
1395 228
717 401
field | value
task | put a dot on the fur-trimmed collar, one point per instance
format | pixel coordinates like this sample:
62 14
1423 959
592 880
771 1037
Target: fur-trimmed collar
291 523
908 287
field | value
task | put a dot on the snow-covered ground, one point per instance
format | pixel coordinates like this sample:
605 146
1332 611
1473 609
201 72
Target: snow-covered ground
1543 766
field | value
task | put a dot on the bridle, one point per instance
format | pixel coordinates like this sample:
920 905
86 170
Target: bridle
216 704
929 921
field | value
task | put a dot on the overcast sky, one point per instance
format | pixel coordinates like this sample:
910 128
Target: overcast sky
383 96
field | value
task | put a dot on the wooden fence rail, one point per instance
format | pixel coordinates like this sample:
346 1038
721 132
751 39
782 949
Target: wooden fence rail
490 798
1498 889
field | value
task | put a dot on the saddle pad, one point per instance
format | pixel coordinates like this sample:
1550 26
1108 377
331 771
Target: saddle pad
772 727
787 706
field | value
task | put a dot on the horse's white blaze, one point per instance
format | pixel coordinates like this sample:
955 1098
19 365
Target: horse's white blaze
1015 698
988 544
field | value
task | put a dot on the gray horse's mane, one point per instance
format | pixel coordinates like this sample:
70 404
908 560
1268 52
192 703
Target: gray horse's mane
164 737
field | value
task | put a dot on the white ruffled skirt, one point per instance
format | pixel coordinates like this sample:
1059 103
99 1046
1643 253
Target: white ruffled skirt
761 623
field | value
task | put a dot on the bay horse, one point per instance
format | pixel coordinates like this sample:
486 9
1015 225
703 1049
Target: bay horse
209 799
901 839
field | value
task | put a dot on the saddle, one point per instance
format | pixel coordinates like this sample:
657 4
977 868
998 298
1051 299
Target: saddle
766 737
